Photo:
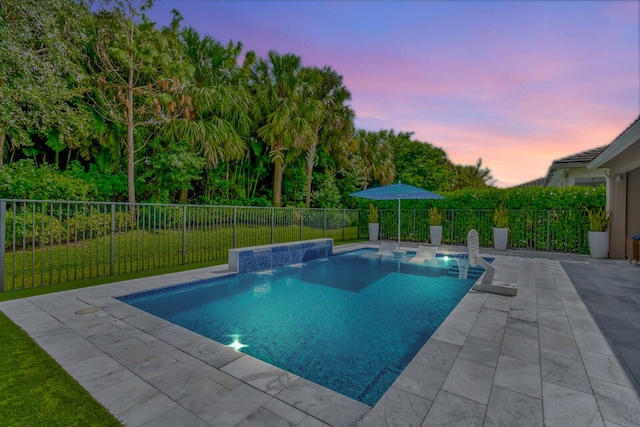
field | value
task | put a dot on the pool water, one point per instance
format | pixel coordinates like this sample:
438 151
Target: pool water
350 322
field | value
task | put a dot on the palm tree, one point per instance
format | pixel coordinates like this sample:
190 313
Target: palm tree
219 122
333 123
376 154
282 89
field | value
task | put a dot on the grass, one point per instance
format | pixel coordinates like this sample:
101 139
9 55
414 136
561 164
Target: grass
143 250
36 391
59 287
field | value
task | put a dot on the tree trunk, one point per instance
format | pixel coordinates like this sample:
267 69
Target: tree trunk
131 180
277 181
311 155
184 194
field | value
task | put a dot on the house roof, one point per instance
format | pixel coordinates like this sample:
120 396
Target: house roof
535 183
623 141
577 160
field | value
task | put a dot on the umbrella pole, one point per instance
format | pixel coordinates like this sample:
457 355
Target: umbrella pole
398 247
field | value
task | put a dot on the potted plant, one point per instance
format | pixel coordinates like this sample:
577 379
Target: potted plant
374 227
599 220
501 228
435 226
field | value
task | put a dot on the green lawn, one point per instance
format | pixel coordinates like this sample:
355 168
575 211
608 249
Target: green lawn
143 250
36 391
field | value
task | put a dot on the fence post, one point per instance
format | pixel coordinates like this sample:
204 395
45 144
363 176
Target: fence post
3 230
235 220
273 227
415 238
344 224
112 246
184 235
548 229
324 232
453 226
301 221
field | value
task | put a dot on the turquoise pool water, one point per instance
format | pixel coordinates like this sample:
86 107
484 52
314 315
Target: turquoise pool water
350 322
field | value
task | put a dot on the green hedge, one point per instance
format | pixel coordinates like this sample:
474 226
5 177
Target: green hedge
25 180
530 198
542 218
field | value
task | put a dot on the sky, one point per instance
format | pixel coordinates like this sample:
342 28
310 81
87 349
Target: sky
516 83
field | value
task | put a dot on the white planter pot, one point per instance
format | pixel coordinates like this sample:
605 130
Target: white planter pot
436 234
599 244
374 228
500 237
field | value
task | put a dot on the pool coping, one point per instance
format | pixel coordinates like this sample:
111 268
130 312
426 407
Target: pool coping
147 371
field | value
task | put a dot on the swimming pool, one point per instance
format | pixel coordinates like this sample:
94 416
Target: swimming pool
350 322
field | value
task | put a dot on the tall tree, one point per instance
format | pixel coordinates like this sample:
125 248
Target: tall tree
282 88
220 121
41 75
139 73
376 156
333 122
421 164
471 176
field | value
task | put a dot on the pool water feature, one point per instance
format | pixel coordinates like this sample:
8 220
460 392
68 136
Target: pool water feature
350 322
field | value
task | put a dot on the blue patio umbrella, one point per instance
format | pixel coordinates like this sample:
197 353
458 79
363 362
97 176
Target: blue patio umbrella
397 191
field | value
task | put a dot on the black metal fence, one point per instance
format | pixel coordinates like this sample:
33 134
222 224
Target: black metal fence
545 230
49 242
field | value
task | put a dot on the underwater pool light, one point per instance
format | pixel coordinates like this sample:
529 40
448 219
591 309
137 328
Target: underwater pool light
236 344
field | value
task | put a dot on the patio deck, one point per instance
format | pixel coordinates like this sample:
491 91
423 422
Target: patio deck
559 353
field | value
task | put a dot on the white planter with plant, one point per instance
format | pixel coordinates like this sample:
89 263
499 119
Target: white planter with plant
374 227
599 220
435 226
501 229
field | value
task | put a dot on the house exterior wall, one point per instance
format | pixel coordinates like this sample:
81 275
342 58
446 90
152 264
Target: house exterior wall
617 229
633 203
624 199
566 177
584 173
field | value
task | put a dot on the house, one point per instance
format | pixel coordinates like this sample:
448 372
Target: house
621 161
572 170
539 182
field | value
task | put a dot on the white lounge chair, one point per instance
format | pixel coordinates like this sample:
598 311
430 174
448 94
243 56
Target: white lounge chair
386 250
424 253
486 285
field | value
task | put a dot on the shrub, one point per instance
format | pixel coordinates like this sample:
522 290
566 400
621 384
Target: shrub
104 187
24 180
27 229
373 213
435 216
501 217
599 219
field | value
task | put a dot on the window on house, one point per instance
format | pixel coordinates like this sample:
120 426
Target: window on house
590 182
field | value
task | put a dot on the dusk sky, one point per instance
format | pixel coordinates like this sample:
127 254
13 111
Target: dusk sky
516 83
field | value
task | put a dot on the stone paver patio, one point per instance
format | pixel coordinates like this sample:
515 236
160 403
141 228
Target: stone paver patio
557 354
